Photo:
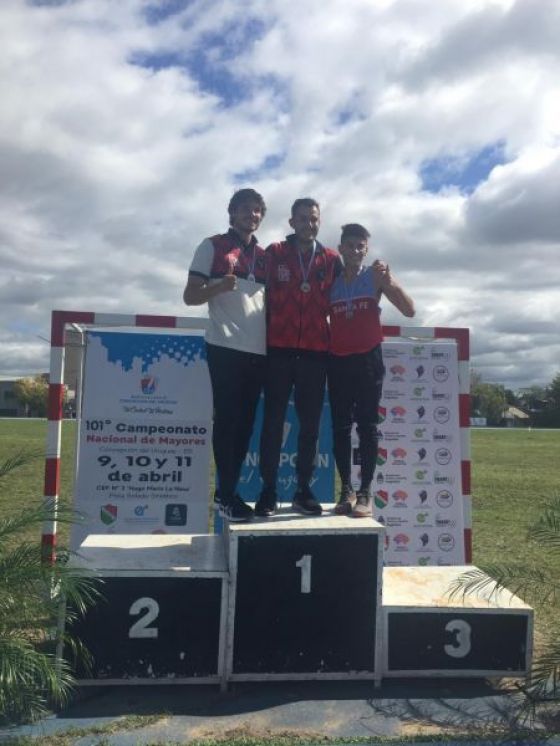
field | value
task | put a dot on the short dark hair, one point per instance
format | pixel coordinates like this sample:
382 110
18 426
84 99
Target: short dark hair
354 229
304 202
245 195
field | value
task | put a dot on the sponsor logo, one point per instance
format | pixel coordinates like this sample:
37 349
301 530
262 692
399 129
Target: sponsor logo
444 499
421 474
420 433
398 412
419 392
392 394
423 496
381 414
443 456
441 437
397 372
396 521
439 355
421 412
283 273
418 350
441 415
139 510
175 514
380 519
399 455
401 539
445 522
420 370
422 453
148 384
381 456
394 478
423 561
424 539
379 478
421 517
391 435
440 395
108 514
440 478
440 373
381 498
400 496
446 542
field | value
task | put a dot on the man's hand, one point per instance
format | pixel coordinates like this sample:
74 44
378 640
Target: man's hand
381 273
229 282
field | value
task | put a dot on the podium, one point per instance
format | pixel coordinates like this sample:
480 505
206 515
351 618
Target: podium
430 632
288 598
162 615
305 598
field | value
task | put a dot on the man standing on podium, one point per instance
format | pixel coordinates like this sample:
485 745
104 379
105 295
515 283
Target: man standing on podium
228 273
299 277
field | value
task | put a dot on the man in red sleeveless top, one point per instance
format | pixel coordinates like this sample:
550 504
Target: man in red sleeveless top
299 277
228 273
356 368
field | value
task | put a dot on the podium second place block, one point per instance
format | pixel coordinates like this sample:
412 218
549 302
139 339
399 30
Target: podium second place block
161 617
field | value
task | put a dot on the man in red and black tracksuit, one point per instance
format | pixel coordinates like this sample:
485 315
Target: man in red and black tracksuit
300 272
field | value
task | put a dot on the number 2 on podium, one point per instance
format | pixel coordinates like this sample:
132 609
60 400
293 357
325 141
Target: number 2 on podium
305 565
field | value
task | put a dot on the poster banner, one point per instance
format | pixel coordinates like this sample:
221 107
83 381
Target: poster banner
417 483
144 434
322 482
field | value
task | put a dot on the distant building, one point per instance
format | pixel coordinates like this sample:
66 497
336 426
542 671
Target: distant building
9 405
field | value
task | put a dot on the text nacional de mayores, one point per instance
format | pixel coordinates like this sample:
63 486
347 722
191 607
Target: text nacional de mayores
137 433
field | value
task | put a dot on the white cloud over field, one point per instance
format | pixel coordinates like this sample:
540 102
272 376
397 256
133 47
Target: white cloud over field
125 127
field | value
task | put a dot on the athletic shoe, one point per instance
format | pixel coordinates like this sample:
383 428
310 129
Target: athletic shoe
362 508
304 502
267 504
347 498
235 510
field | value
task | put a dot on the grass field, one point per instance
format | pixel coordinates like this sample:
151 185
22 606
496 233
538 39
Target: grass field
515 473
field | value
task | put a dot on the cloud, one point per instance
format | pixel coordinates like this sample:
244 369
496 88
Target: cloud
125 127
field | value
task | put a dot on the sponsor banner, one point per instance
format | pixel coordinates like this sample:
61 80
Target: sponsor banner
144 434
417 483
322 482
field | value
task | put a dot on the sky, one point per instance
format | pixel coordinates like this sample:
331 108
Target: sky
126 126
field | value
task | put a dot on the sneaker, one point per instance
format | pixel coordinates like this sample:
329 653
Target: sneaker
235 510
304 502
347 498
362 508
267 504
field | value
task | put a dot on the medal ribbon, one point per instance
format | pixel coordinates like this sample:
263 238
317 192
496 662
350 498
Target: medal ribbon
305 272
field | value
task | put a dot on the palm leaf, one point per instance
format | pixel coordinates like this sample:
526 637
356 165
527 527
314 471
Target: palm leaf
18 459
533 584
547 529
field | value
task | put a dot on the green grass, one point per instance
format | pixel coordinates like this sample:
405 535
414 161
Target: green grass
515 474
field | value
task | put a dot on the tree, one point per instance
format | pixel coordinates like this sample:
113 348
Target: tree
553 392
32 393
487 400
31 598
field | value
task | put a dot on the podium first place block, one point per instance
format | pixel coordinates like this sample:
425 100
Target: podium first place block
429 632
161 618
305 598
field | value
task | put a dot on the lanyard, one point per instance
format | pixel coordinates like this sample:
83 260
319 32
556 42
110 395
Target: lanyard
305 286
